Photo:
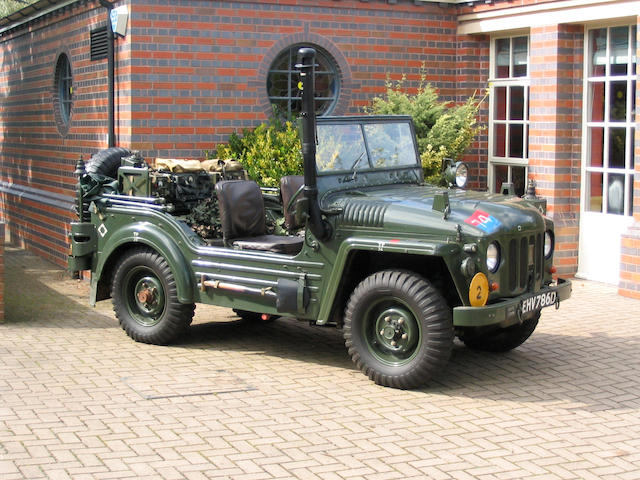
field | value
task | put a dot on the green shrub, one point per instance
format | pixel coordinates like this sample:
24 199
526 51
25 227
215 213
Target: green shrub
450 137
272 150
442 131
268 152
423 107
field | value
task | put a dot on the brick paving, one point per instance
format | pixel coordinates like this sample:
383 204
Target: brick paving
80 400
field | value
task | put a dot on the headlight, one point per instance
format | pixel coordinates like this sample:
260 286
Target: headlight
493 257
461 175
456 173
548 243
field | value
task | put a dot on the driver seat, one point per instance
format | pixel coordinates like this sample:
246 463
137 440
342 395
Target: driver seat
289 186
242 216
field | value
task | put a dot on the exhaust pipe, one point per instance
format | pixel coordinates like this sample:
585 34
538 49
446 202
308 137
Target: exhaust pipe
306 63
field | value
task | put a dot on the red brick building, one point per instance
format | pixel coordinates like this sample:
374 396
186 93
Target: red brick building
562 77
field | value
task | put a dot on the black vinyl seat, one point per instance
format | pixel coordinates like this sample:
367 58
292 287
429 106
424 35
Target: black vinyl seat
289 185
242 217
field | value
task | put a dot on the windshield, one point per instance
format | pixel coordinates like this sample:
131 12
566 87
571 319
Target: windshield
353 147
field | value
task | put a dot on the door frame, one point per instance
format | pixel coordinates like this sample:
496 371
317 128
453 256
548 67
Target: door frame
607 226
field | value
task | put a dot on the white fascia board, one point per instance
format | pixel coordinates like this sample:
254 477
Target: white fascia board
552 13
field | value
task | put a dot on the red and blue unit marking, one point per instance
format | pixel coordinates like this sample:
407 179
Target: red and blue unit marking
483 221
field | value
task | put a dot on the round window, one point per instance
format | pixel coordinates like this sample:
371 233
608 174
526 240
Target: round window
282 82
63 91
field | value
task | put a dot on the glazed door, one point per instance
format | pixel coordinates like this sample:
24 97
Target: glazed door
608 150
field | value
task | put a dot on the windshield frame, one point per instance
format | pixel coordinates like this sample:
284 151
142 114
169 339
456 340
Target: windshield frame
362 121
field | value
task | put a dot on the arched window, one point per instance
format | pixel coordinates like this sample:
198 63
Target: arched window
283 78
63 91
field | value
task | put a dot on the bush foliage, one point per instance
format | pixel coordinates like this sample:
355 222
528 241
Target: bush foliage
269 152
273 150
442 131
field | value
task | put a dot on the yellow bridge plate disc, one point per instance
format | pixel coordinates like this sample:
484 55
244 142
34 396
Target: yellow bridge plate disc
479 290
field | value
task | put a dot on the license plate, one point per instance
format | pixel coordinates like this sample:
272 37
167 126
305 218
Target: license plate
537 302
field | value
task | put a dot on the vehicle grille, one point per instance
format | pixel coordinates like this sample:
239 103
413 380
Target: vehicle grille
525 262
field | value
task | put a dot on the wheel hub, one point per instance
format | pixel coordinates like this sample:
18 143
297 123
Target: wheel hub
389 332
148 295
396 330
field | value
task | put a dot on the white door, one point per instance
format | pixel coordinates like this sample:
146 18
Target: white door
608 150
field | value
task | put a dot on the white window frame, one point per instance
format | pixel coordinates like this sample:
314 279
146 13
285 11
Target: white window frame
607 124
507 82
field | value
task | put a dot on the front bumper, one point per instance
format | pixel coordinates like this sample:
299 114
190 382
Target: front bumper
505 312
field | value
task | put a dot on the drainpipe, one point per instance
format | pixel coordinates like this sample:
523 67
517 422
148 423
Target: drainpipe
111 136
306 63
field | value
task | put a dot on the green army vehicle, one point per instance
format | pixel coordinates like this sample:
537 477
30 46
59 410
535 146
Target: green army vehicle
402 267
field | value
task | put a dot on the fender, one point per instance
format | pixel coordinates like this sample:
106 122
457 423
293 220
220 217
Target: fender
143 233
444 250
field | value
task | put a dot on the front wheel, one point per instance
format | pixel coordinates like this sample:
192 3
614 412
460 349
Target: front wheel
398 329
145 298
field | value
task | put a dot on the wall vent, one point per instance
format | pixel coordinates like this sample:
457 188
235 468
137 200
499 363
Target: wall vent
99 43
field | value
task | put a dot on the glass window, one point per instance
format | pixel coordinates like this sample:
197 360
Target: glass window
516 103
390 144
617 150
499 140
516 142
615 197
514 174
596 90
500 104
283 78
594 192
520 57
509 114
610 128
511 57
503 57
63 91
596 146
619 50
353 147
340 147
634 36
501 176
598 45
519 178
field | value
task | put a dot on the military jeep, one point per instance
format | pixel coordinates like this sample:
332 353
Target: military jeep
401 266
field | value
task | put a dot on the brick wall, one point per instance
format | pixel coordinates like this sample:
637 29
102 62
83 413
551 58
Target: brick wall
555 132
2 227
37 158
472 78
630 263
188 74
199 70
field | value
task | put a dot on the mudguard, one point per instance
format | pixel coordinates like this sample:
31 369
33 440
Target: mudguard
437 249
142 233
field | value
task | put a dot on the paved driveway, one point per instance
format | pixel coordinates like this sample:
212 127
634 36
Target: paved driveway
79 399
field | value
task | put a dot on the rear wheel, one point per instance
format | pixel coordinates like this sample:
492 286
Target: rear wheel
504 339
398 329
145 298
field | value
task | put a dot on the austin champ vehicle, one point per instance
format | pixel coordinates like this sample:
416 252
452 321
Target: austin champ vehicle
401 266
